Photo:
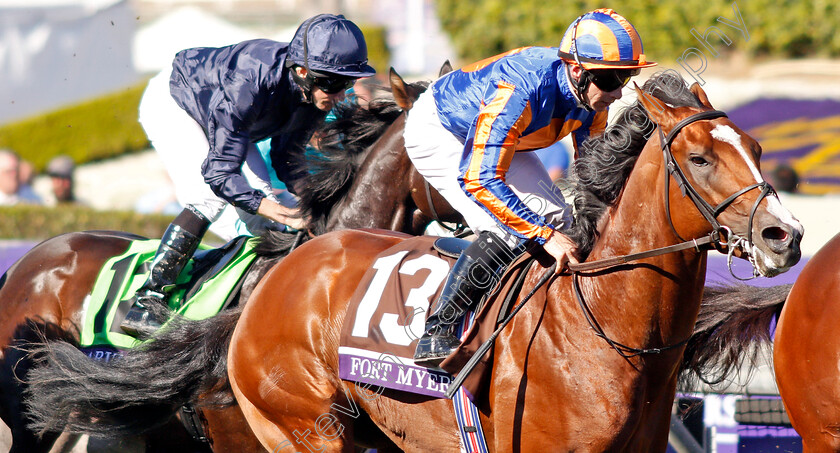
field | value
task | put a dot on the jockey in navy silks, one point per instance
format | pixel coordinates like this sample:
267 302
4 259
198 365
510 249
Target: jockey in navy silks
205 116
469 135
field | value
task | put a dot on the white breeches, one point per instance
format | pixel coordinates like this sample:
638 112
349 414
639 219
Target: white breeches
182 146
436 155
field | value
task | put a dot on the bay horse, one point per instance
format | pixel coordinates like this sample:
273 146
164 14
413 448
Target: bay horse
360 180
601 395
806 346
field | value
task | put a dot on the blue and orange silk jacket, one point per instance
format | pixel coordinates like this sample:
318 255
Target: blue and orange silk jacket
517 101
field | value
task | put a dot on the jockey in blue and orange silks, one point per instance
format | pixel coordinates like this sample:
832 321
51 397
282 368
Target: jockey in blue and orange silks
469 135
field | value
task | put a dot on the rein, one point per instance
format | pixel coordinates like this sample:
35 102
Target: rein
713 240
704 243
710 213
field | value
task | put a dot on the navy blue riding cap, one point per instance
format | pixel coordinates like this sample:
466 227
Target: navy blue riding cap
333 44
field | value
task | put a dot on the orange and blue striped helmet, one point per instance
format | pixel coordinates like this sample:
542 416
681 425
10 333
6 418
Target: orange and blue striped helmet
603 39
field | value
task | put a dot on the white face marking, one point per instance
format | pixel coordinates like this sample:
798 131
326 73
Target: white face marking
774 206
726 134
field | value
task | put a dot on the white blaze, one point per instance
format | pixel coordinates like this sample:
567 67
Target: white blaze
726 134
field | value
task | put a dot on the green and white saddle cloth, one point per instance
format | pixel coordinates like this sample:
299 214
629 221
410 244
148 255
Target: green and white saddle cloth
209 282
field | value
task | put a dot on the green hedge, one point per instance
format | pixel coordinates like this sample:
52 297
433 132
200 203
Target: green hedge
42 222
98 129
781 29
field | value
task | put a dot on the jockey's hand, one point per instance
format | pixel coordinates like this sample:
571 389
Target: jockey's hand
279 213
562 249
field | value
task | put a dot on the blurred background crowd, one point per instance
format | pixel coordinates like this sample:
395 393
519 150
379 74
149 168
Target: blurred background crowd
73 72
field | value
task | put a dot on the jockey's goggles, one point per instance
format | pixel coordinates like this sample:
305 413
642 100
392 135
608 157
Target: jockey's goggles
612 79
333 84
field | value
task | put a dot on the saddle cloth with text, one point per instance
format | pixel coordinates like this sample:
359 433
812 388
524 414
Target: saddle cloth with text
204 287
387 315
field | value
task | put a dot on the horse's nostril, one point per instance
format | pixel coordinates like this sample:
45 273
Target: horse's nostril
775 234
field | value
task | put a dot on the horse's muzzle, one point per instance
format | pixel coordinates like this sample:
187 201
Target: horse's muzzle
776 240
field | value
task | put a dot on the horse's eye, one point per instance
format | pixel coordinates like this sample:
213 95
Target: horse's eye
698 161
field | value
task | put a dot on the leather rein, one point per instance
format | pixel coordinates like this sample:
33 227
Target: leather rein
720 237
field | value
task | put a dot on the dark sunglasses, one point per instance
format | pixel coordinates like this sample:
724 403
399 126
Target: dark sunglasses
612 79
333 85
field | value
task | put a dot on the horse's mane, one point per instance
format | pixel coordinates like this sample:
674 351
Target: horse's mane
342 148
600 173
328 173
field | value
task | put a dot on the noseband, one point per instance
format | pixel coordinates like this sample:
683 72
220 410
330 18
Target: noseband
721 236
726 238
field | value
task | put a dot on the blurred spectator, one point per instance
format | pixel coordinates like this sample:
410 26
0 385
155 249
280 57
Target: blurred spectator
555 158
784 178
26 175
10 193
26 172
60 170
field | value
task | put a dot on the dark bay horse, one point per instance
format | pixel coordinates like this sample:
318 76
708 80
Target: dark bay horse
359 181
555 386
806 346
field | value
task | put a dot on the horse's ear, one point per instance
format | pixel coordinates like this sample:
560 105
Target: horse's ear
701 95
445 69
404 94
657 110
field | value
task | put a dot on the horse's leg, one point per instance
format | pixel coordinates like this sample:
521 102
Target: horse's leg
230 431
13 369
283 355
270 436
65 443
291 416
127 444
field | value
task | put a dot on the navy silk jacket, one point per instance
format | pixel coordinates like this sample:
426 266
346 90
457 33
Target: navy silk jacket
242 94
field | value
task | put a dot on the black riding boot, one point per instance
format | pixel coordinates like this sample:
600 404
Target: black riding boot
476 271
176 248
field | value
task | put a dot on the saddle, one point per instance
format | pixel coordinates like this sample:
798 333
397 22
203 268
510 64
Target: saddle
209 283
387 313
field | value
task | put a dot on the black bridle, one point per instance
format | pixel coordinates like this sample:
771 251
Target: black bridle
720 236
714 239
707 210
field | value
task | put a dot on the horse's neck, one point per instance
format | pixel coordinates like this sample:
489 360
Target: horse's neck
660 294
378 193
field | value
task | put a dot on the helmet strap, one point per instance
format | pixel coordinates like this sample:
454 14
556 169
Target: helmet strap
581 85
305 83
